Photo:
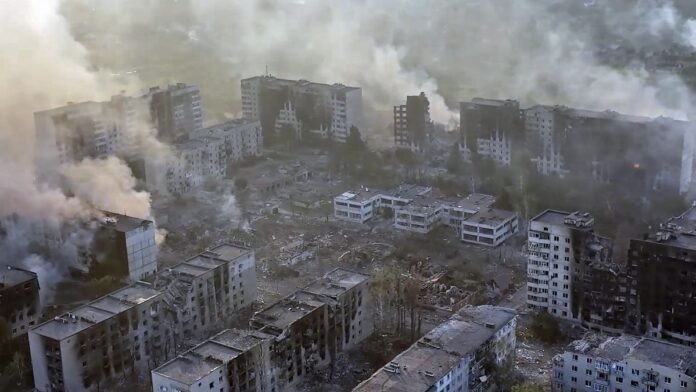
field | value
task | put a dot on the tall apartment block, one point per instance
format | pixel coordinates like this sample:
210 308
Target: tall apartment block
311 326
489 128
412 124
457 355
328 110
127 245
661 275
611 148
20 303
191 163
231 361
624 363
136 328
562 248
176 110
243 139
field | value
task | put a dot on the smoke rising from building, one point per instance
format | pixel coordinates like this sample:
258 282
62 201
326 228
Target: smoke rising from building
536 51
45 67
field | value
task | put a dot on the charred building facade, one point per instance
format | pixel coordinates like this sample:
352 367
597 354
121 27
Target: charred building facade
412 124
662 281
491 128
327 110
140 326
20 303
311 326
609 147
175 110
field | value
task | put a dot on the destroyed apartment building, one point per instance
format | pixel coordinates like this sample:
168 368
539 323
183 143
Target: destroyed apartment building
232 360
140 326
417 211
287 340
624 363
313 325
413 128
20 302
125 246
491 128
457 355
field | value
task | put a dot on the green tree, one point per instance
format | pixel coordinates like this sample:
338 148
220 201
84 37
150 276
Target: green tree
529 387
5 328
354 141
454 162
545 328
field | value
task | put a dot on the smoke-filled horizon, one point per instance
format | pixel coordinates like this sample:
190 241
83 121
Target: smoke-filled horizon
534 51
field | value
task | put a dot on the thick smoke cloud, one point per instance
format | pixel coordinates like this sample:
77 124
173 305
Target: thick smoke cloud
541 51
44 67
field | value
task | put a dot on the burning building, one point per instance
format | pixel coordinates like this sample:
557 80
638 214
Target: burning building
20 303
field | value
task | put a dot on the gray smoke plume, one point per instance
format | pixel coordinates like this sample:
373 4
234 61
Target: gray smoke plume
43 66
541 51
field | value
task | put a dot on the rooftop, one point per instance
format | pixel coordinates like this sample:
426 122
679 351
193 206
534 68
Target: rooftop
576 219
360 196
678 231
208 356
300 83
408 191
282 314
123 223
336 283
12 276
207 261
436 353
490 216
493 102
71 323
626 347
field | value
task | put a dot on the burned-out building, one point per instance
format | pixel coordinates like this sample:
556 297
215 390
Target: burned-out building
563 251
140 326
610 147
661 275
125 246
413 127
233 360
491 128
327 110
175 110
460 354
311 326
20 302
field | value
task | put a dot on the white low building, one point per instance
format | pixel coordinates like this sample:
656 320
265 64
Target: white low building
357 206
420 216
624 364
453 356
490 227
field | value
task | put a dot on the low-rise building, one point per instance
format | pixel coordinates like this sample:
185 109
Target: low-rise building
138 327
20 302
453 356
624 363
422 215
127 245
490 227
457 210
231 361
357 206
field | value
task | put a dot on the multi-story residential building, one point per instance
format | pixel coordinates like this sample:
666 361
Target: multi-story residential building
231 361
140 326
243 139
311 326
192 162
127 245
556 241
20 302
204 291
175 110
105 338
661 275
624 363
412 125
610 147
454 356
489 128
331 110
